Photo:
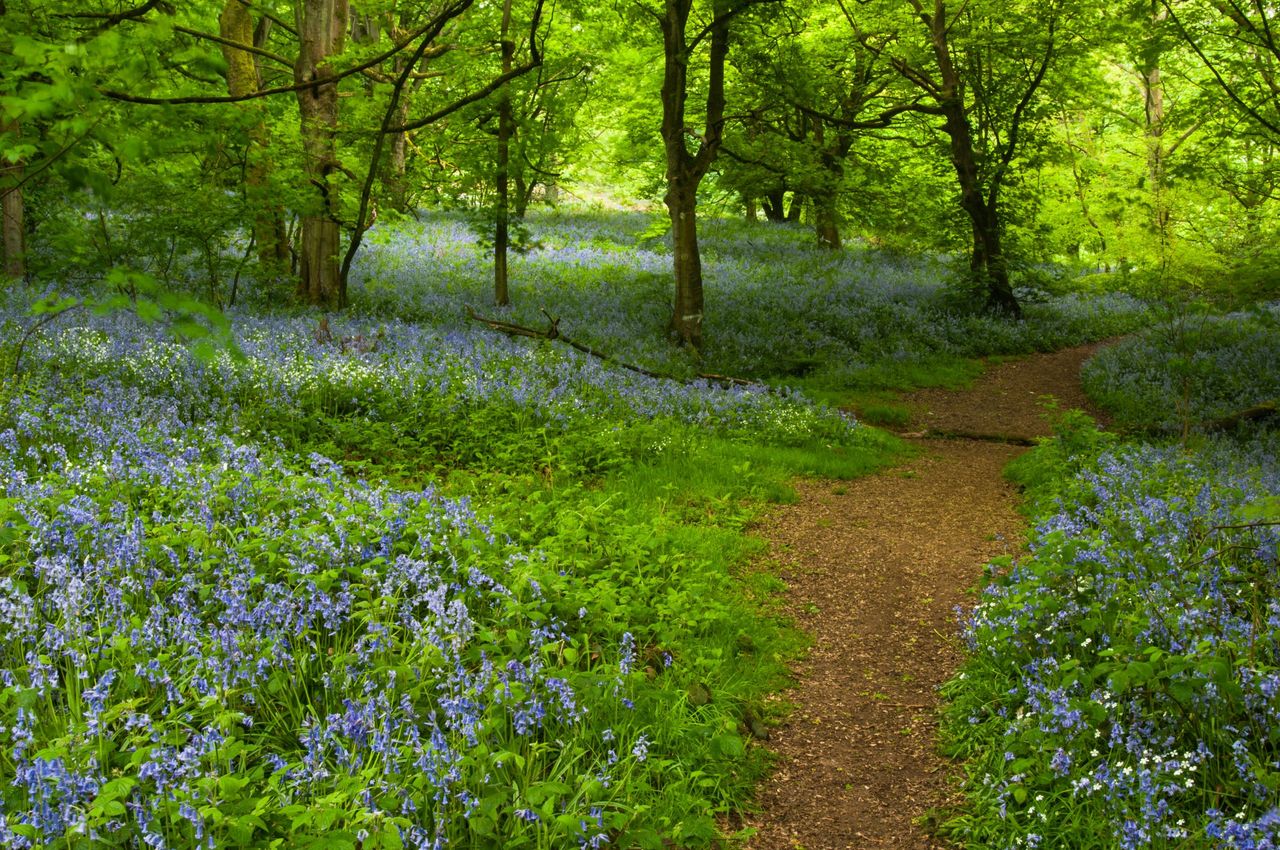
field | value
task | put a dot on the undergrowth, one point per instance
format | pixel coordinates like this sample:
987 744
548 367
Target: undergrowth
1123 683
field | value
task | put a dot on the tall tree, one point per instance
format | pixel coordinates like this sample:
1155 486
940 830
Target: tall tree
244 77
980 71
322 29
686 165
502 223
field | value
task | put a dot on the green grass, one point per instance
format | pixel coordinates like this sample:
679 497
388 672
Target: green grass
661 545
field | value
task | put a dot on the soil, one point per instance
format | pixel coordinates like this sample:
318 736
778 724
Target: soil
876 569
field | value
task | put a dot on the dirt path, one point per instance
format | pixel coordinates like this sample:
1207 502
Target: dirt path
875 569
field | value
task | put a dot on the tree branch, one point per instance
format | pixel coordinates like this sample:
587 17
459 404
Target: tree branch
393 104
1195 47
1019 112
553 333
316 83
535 59
270 17
247 48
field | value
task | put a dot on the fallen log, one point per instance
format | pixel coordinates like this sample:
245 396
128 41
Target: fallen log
1256 413
553 333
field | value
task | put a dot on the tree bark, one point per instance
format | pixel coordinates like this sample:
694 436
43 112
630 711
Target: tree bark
686 321
13 211
826 220
501 230
395 174
685 170
987 262
235 24
1153 95
322 27
775 206
524 195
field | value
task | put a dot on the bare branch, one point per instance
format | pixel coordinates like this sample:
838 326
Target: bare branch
1226 87
247 48
535 60
316 83
552 333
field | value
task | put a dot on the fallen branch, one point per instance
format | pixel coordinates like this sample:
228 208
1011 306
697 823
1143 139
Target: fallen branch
553 333
1257 413
975 436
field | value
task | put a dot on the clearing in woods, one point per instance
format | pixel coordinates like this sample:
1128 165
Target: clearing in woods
875 570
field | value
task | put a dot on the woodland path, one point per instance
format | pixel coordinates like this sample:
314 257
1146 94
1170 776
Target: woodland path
875 569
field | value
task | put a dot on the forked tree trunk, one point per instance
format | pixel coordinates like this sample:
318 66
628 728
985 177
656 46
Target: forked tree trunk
13 210
235 24
978 198
322 27
685 170
987 263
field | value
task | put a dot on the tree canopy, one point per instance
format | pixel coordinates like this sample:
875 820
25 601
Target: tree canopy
267 137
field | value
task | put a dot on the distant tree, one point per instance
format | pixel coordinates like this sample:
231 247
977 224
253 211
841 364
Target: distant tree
818 91
319 66
236 26
695 40
980 71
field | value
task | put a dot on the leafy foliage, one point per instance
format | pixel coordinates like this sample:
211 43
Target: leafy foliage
1123 687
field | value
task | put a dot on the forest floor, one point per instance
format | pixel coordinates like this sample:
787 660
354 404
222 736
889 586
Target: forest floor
876 569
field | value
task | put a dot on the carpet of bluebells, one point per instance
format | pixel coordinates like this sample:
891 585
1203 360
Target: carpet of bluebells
1123 687
608 278
1190 371
217 634
213 641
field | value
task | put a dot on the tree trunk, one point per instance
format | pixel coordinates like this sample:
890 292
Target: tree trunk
980 203
235 24
322 27
685 170
395 172
987 263
13 211
1153 92
796 209
686 321
524 194
749 206
826 220
826 199
501 230
775 206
